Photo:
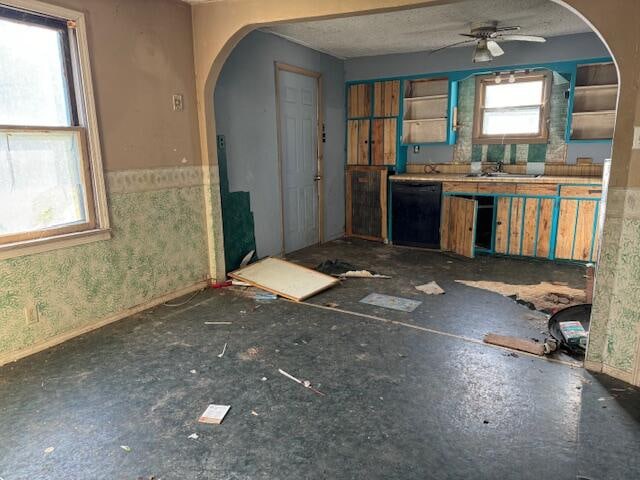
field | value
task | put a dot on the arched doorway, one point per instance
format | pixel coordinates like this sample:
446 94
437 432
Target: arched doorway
613 348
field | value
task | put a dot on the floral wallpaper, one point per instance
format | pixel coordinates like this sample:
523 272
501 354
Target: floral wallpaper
158 245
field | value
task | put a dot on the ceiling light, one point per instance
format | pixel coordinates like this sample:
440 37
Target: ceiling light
512 78
482 53
497 79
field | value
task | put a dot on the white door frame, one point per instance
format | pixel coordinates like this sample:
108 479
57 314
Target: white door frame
279 66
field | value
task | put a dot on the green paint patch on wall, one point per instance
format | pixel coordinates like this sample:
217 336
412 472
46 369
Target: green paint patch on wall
495 153
476 153
237 218
159 245
537 153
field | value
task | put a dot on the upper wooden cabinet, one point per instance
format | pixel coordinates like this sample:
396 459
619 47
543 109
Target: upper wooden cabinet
429 111
359 100
383 141
386 98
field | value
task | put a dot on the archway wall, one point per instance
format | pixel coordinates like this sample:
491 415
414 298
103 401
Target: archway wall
615 332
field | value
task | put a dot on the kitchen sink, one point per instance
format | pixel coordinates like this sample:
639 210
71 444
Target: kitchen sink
503 175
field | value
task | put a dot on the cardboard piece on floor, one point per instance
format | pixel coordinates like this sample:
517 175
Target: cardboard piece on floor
388 301
285 278
431 288
515 343
214 414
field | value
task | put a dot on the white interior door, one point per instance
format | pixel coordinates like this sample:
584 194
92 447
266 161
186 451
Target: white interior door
298 133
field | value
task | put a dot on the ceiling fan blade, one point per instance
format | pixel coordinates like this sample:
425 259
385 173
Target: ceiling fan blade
494 48
468 35
508 29
522 38
452 45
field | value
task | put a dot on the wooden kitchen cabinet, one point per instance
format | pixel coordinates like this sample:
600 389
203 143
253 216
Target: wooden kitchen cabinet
523 226
386 98
577 230
383 141
358 142
366 202
359 100
458 230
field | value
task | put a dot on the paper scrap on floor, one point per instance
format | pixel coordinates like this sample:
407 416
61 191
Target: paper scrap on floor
391 302
214 414
431 288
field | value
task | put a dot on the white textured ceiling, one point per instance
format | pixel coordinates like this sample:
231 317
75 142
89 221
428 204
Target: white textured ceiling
427 28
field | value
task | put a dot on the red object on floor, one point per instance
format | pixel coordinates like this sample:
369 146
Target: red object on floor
226 283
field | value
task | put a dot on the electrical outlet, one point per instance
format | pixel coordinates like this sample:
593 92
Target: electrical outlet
636 138
416 149
31 313
178 103
220 139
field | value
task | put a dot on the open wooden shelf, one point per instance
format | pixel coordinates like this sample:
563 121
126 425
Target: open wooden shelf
426 104
594 102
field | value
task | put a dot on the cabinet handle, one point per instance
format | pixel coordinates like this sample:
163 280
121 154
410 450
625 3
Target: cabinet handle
498 223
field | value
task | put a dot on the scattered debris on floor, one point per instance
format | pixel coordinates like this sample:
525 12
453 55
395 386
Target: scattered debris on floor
284 278
214 414
194 371
224 349
304 383
247 258
514 343
250 353
570 327
391 302
254 413
218 323
226 283
49 449
431 288
340 269
193 436
238 283
126 448
265 297
332 305
544 296
264 379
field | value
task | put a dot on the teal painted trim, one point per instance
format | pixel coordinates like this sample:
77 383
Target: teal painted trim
594 232
475 230
389 211
424 143
401 152
509 226
535 239
592 140
572 92
554 228
524 209
575 229
494 226
456 75
452 133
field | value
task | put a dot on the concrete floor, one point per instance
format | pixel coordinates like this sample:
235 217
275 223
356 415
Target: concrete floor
400 403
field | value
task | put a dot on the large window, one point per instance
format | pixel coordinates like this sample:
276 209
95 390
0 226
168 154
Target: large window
512 108
48 162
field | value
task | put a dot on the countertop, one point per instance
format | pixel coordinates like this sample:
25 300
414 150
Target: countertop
462 177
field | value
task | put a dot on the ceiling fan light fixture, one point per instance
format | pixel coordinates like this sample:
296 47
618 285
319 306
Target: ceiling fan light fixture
481 53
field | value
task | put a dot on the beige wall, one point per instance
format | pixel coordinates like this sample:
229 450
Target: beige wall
141 54
615 328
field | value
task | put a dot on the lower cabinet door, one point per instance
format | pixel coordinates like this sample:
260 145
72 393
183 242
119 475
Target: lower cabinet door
523 226
577 230
458 232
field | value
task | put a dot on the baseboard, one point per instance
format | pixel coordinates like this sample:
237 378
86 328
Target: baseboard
609 370
593 366
63 337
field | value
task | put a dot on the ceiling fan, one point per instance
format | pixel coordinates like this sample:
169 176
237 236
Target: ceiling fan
486 37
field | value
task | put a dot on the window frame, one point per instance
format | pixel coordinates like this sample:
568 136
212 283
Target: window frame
85 127
543 126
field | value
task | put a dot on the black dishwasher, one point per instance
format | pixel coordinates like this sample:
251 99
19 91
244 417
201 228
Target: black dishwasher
415 213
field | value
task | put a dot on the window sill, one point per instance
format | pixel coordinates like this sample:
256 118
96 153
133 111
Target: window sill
499 140
46 244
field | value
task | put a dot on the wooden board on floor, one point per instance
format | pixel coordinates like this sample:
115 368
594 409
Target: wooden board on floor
515 343
285 278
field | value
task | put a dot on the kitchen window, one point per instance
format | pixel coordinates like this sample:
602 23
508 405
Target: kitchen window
51 182
512 108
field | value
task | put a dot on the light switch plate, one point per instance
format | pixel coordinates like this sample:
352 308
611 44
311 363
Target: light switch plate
636 138
178 103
